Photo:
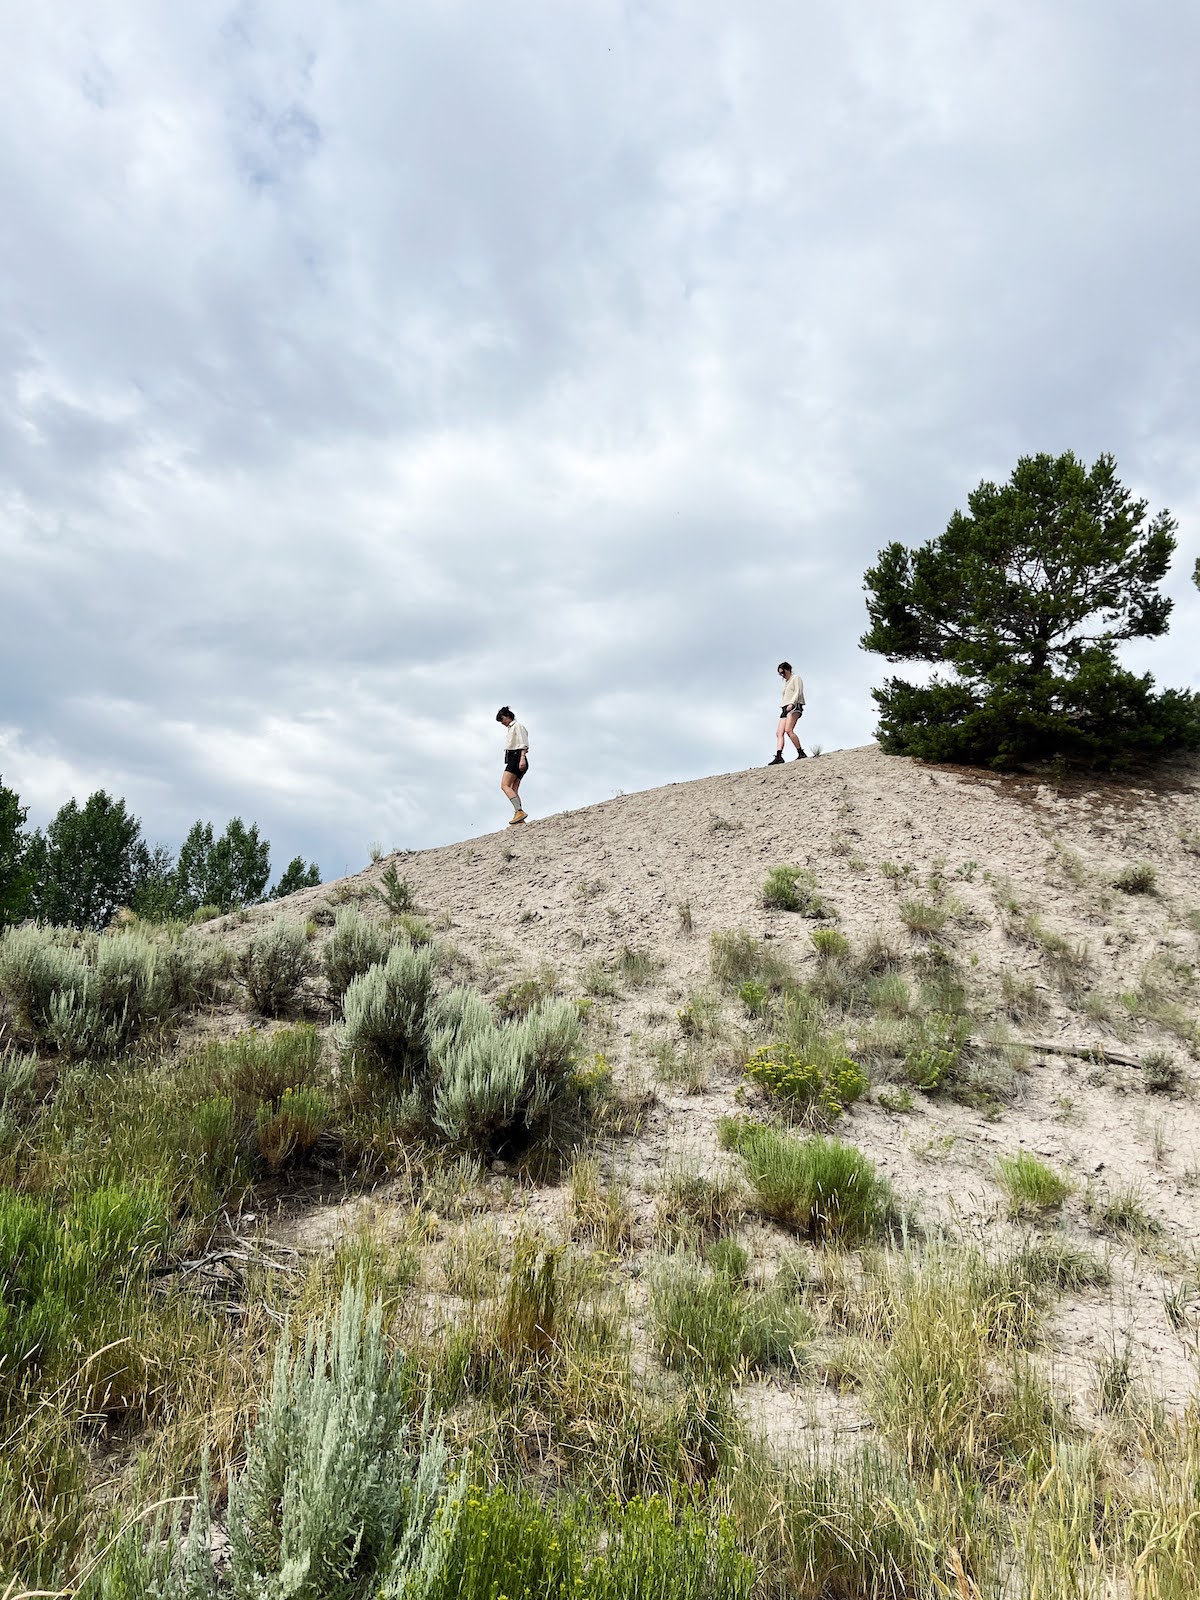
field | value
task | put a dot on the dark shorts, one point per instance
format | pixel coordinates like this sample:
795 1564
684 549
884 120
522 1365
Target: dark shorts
512 762
797 708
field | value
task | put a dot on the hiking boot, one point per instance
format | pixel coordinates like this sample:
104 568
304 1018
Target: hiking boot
518 816
776 760
801 755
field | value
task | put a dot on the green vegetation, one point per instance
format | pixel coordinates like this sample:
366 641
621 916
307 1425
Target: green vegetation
1138 879
1031 1186
737 958
1026 598
794 889
272 965
395 892
818 1187
708 1324
805 1085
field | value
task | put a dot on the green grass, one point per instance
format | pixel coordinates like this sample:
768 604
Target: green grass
794 889
923 917
1121 1214
737 958
693 1206
708 1325
1031 1186
818 1187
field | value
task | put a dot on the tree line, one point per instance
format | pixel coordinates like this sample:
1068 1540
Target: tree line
92 860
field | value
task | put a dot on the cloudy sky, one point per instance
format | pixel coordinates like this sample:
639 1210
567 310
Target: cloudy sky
363 366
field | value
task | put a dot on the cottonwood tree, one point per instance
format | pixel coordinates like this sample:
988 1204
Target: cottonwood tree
298 874
87 864
1025 598
227 872
16 875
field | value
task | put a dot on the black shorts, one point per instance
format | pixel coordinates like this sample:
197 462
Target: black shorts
787 710
512 762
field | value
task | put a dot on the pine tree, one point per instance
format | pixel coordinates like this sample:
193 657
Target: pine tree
1026 597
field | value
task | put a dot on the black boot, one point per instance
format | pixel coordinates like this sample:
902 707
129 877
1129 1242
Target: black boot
777 759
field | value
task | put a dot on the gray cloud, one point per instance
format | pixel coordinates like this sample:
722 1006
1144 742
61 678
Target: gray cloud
361 368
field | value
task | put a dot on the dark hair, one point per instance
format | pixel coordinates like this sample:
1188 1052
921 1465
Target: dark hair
504 711
784 666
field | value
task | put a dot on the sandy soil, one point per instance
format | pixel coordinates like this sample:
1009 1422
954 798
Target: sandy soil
566 891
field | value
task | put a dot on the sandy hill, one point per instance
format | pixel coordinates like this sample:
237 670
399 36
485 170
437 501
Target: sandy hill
1071 912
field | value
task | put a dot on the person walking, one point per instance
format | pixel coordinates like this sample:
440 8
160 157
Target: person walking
790 714
516 761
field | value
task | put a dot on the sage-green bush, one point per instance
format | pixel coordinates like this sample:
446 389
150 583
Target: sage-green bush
494 1083
338 1488
386 1009
93 995
273 965
477 1081
355 945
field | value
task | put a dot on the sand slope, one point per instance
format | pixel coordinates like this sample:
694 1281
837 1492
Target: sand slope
566 891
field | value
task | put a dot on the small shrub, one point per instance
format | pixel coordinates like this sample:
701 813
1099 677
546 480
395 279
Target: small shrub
272 966
395 892
829 944
700 1017
334 1483
794 889
922 917
1139 879
1160 1072
1022 1000
354 945
898 1100
935 1049
289 1131
889 996
1122 1215
804 1085
494 1084
385 1032
599 980
755 997
736 958
686 921
1031 1186
637 967
519 999
818 1187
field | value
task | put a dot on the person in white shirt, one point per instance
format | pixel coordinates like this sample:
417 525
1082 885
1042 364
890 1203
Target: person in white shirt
790 714
516 761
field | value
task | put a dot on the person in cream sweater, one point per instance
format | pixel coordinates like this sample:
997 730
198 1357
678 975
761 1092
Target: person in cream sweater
790 714
516 760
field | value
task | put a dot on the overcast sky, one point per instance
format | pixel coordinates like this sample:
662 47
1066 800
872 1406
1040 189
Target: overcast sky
363 366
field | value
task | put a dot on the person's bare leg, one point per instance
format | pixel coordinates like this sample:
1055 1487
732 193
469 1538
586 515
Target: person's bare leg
791 733
781 728
510 784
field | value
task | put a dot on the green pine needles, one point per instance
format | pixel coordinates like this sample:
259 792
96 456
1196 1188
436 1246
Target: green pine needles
1025 597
